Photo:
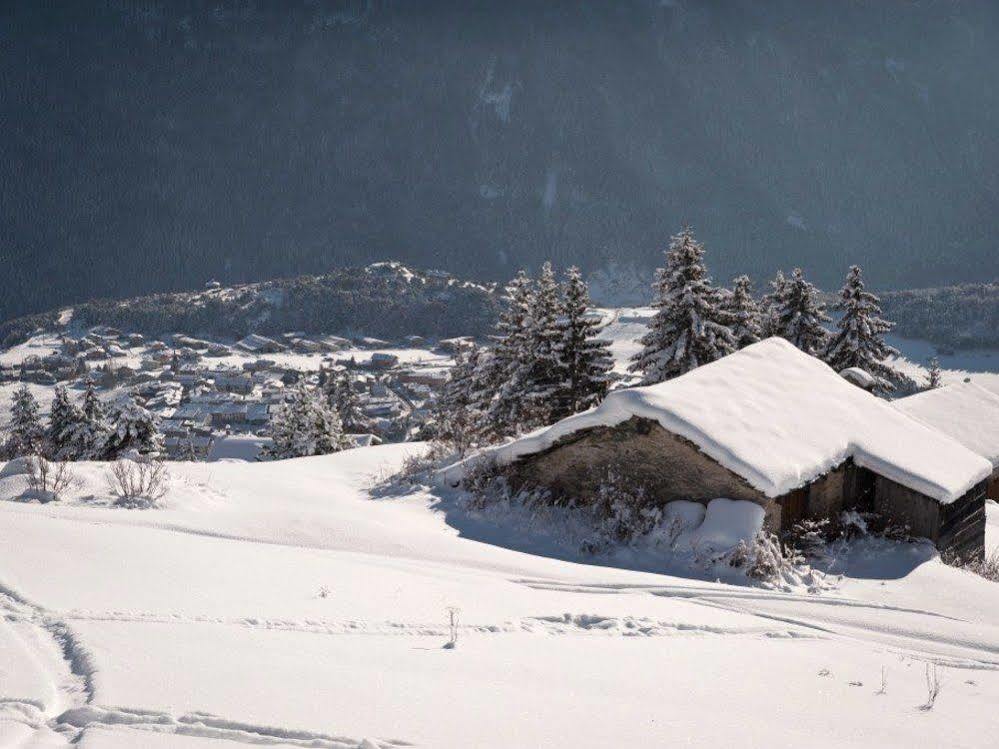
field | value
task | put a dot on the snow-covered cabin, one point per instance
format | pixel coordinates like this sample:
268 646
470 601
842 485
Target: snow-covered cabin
967 412
771 425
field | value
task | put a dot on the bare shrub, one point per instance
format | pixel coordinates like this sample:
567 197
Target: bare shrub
986 565
452 642
47 480
811 538
766 559
137 484
417 467
624 512
933 686
485 481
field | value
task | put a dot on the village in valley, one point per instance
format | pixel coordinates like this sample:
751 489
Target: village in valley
212 399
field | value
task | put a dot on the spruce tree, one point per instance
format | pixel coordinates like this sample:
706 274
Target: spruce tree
773 302
456 413
87 432
744 312
583 357
798 314
690 327
63 417
305 424
510 356
860 340
133 429
25 434
539 379
340 393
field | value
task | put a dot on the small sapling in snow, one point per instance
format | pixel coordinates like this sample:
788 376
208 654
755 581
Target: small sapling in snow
453 612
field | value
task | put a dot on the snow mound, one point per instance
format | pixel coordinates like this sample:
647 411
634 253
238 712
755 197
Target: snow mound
779 418
727 522
16 467
965 411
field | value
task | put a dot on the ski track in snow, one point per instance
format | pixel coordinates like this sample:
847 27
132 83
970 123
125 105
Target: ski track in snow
905 630
542 624
71 711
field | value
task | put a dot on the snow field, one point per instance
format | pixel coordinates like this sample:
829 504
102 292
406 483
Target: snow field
300 603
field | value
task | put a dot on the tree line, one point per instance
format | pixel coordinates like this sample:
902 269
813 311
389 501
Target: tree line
546 360
94 430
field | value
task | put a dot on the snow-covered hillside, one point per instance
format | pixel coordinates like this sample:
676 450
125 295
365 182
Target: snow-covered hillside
306 603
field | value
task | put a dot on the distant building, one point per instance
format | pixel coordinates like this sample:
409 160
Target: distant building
258 344
383 361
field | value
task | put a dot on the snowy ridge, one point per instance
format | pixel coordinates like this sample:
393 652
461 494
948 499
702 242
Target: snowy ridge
779 418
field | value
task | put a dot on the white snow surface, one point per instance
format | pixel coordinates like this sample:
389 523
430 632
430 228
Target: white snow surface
967 412
779 418
304 603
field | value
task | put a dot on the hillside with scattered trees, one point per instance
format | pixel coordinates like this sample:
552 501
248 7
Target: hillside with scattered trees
385 300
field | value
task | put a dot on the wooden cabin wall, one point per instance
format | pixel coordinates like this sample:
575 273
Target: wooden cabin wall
642 453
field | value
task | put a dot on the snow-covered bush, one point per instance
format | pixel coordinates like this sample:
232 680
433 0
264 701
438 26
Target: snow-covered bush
46 480
624 512
137 484
768 561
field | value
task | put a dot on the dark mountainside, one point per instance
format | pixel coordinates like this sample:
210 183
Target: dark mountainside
150 146
385 300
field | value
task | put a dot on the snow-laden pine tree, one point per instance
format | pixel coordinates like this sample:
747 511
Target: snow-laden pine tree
456 411
132 429
773 301
934 377
63 418
860 341
509 357
690 326
340 393
583 357
25 434
744 313
305 424
86 434
539 379
798 314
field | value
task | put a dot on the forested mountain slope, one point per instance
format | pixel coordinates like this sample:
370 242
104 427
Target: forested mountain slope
149 146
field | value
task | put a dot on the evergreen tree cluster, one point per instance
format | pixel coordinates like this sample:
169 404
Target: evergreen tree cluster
696 322
693 320
307 423
91 431
546 361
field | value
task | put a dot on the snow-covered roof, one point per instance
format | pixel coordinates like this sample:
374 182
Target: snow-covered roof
779 418
238 447
967 412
